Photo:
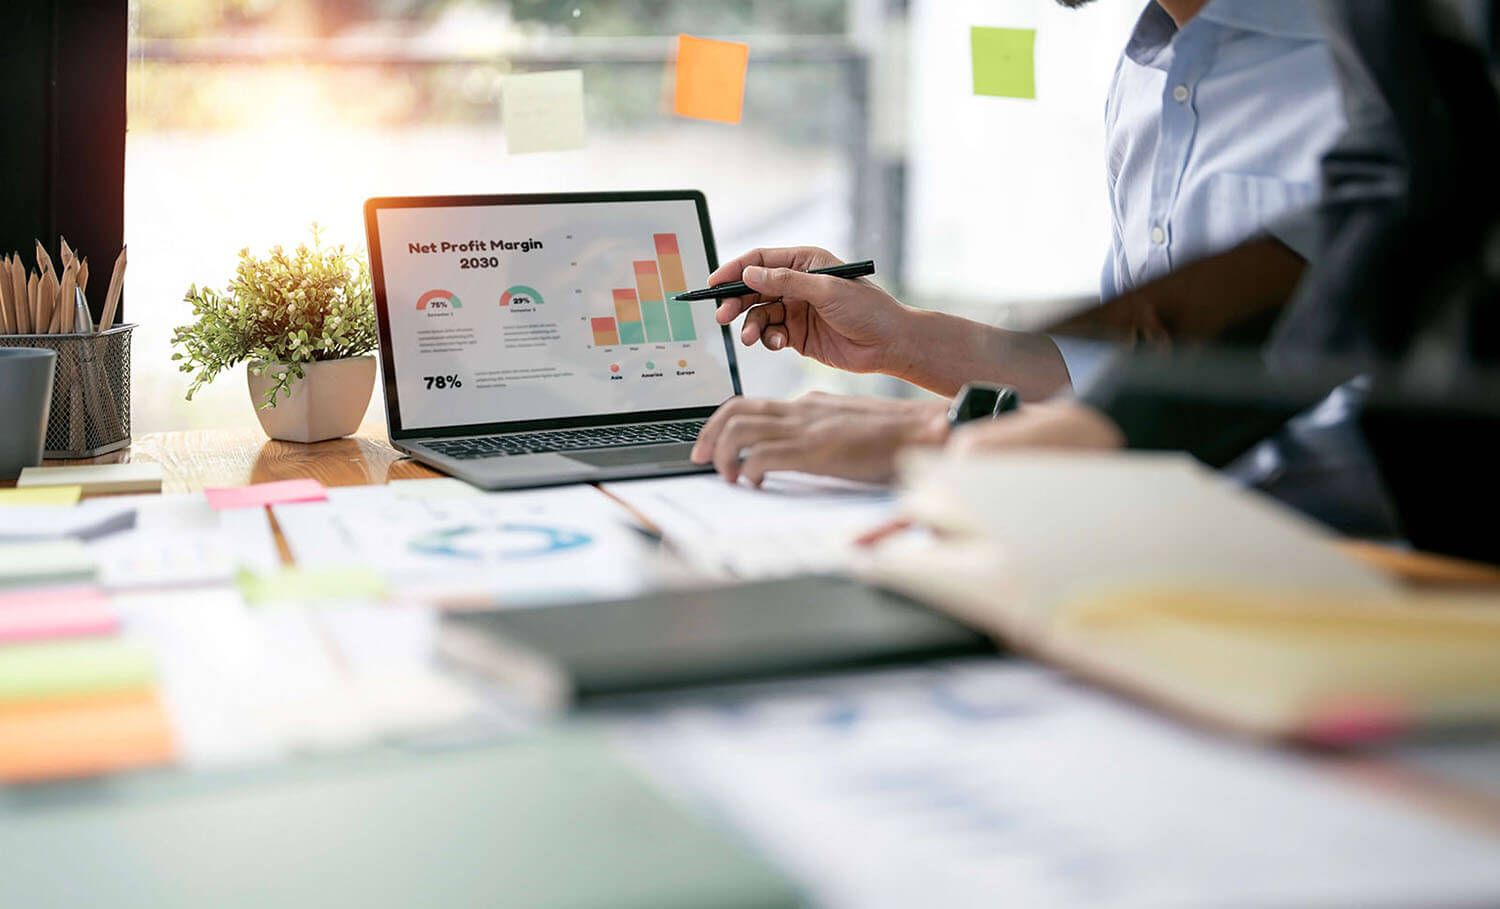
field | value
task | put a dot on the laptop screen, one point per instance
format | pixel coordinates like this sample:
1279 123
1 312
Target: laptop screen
522 313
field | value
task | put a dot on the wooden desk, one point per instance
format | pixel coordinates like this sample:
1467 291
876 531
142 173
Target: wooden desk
193 460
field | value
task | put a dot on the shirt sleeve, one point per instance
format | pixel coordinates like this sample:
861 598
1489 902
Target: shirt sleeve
1299 231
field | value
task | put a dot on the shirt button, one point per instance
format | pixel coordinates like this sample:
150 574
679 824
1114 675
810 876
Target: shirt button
1180 94
1158 236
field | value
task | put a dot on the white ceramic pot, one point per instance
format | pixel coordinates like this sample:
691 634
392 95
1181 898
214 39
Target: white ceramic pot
328 402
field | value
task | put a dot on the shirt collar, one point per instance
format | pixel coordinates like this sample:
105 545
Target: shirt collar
1293 19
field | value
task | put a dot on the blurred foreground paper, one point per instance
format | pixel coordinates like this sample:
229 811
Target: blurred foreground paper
1004 61
710 79
952 783
1153 574
543 111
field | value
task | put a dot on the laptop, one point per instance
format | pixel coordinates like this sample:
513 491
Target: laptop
529 340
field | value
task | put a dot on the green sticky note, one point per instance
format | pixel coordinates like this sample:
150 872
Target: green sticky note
71 668
1004 61
302 585
48 562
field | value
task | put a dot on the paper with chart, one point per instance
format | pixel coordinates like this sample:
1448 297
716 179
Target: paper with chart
952 784
513 548
794 524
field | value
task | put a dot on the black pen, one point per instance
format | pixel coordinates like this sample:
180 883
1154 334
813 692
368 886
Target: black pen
741 289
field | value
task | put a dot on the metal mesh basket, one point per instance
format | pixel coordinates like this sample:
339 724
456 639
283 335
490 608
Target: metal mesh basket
90 412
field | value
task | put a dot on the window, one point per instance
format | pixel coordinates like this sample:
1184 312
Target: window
251 119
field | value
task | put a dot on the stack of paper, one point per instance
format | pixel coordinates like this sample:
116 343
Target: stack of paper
1153 574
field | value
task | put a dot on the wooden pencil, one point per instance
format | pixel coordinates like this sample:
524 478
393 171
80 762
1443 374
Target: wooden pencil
67 252
16 275
67 306
7 320
44 261
38 327
52 316
112 297
83 274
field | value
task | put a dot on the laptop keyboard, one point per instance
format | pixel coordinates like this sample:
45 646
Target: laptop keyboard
520 443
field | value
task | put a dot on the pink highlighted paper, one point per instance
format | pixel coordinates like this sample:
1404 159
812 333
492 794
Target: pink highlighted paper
54 612
282 492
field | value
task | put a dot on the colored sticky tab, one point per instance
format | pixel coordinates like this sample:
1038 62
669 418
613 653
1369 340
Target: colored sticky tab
304 585
53 612
72 738
42 495
60 669
543 111
1004 61
710 79
50 562
282 492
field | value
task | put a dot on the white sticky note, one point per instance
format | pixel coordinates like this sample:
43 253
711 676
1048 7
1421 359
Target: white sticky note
543 111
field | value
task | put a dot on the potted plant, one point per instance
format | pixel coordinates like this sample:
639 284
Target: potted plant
304 324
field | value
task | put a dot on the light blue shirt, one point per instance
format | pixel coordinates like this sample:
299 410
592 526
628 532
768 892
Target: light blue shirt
1214 134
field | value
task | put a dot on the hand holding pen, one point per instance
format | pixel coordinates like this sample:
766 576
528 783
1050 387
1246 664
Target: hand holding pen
848 323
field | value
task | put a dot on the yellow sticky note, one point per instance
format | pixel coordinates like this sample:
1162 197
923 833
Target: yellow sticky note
543 111
41 495
311 584
710 79
1004 61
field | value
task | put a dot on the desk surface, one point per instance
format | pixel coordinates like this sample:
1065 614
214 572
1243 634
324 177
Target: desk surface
196 459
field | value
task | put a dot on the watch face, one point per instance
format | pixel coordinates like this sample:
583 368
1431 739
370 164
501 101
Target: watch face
979 401
975 402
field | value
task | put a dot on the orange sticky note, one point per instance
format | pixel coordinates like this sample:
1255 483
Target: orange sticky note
60 739
710 79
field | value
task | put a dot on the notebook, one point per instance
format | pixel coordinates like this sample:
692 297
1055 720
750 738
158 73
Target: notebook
1153 574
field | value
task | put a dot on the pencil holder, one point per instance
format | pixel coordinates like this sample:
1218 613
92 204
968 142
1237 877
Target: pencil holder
90 412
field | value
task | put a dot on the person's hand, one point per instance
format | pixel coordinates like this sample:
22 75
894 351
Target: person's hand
1062 424
836 435
848 324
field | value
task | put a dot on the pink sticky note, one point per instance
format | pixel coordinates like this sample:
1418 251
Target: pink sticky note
54 612
281 492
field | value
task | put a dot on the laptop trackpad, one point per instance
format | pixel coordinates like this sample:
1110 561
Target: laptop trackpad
639 454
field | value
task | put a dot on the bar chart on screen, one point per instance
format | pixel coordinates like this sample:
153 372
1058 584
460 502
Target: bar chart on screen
643 313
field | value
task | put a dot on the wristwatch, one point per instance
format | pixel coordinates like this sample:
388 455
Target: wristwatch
981 401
